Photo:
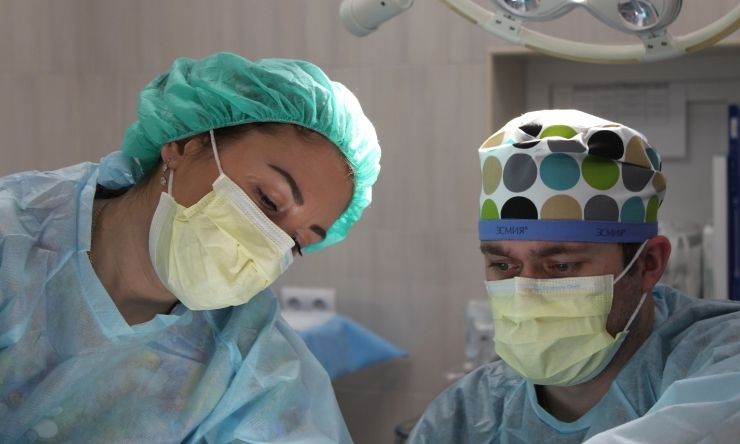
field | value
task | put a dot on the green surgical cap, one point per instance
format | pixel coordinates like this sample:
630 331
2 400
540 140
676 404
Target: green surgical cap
225 89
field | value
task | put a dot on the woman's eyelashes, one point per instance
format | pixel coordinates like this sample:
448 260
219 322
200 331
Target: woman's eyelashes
273 210
266 201
297 247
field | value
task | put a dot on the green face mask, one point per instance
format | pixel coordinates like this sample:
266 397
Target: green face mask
553 331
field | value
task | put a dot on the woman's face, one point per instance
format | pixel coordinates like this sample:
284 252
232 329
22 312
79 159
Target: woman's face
302 184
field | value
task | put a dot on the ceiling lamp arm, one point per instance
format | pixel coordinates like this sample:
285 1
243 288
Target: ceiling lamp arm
710 34
656 45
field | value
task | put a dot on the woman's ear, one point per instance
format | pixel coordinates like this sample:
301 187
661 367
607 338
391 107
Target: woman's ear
654 261
196 144
172 154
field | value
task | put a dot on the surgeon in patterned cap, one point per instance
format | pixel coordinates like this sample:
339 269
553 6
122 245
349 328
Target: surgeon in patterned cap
591 346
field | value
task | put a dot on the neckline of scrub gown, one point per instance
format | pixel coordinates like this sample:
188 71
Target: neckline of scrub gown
111 321
75 370
586 420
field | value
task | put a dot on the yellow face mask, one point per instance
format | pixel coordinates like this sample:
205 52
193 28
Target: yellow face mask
221 251
553 331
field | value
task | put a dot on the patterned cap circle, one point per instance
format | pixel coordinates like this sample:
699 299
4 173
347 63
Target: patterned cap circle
564 175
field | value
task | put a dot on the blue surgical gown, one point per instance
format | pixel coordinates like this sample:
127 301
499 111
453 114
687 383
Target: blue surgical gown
72 369
687 368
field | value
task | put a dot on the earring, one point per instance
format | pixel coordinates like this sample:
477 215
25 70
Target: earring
163 178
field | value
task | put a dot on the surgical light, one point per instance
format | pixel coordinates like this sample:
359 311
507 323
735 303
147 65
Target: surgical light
638 13
361 17
645 19
523 5
535 10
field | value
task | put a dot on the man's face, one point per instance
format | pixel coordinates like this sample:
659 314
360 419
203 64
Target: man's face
549 260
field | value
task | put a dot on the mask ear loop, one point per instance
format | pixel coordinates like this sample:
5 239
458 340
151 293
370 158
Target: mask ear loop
215 155
644 295
169 182
632 262
634 313
215 152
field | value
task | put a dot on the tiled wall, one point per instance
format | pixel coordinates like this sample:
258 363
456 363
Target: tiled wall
70 71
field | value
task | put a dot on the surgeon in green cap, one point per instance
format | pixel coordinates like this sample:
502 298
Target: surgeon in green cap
134 293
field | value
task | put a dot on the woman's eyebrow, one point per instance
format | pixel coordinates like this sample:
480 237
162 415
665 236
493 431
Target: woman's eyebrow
297 196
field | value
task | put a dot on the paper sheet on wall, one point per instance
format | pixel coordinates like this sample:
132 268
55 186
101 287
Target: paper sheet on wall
719 258
658 110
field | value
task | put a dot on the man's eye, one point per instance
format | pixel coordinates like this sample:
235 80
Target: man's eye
500 266
562 267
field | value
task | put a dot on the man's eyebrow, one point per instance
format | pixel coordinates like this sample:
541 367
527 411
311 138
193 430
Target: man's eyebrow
297 196
494 250
318 230
557 249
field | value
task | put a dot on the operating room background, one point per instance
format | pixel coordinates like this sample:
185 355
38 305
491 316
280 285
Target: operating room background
70 71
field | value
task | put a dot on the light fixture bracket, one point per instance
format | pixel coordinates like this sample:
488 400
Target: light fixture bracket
645 19
656 44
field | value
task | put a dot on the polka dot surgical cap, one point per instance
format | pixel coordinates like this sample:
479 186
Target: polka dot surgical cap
564 175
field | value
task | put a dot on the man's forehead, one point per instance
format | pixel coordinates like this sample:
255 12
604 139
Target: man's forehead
539 248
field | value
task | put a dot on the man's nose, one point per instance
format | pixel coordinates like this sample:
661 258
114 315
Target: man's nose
532 271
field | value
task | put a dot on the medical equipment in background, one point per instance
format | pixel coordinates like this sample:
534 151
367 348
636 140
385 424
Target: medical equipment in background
685 269
646 19
479 348
338 342
363 17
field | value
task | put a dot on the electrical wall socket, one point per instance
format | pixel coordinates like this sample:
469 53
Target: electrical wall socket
308 299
